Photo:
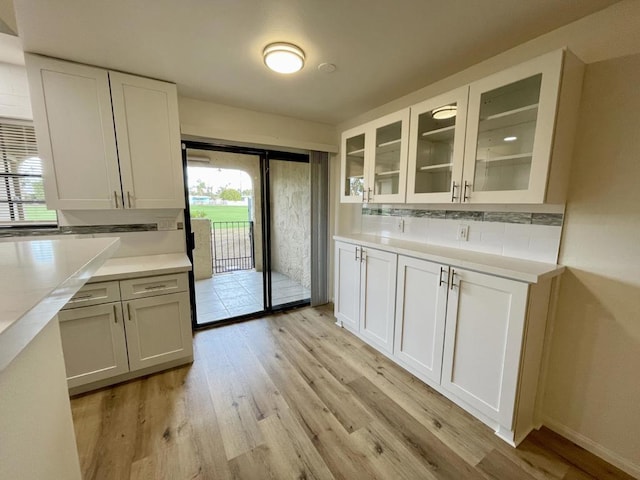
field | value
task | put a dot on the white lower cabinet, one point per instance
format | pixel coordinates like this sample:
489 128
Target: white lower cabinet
347 285
483 341
365 292
421 305
474 337
125 337
93 342
158 330
378 296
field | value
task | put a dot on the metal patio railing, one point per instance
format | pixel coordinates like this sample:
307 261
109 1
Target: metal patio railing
233 246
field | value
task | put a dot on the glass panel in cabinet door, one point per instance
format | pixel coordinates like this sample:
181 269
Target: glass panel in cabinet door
505 136
387 159
434 155
354 181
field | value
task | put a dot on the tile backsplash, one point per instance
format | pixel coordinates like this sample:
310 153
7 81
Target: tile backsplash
526 235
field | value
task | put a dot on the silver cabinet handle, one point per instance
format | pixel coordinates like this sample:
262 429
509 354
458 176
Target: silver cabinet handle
363 255
129 311
115 197
466 197
453 277
357 254
369 195
440 280
115 314
453 192
155 287
129 199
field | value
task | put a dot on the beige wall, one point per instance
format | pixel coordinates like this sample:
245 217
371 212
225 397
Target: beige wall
200 119
593 384
612 32
36 431
291 220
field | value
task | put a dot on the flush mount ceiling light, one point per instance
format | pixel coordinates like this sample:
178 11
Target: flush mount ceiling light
510 138
442 113
283 57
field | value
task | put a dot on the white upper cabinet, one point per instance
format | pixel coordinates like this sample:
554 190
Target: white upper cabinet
374 160
352 165
511 131
148 133
81 113
436 148
506 138
388 175
76 137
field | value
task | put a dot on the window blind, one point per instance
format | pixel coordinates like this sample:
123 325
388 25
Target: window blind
21 188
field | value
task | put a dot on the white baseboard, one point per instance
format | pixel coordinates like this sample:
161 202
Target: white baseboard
613 458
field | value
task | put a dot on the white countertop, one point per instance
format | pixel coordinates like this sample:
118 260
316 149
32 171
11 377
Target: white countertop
513 268
37 278
142 266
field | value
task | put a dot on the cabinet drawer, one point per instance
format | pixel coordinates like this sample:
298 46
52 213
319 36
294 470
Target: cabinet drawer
94 294
152 286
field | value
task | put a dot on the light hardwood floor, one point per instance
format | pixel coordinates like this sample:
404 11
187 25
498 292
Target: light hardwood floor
292 396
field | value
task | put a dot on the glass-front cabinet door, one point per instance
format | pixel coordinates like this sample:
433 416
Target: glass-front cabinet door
353 168
510 132
436 148
389 161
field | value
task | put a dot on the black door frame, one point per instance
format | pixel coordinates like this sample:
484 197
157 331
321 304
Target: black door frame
265 156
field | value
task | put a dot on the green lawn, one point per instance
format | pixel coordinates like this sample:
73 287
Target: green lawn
39 213
220 213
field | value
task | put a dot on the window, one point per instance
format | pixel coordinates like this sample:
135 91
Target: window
21 189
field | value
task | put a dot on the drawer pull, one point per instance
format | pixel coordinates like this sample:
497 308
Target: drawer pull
453 192
155 287
82 297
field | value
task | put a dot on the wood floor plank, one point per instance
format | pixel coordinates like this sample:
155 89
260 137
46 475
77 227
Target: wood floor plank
447 421
206 438
433 453
317 342
535 460
270 399
113 451
496 466
339 400
292 453
329 438
232 402
578 456
265 398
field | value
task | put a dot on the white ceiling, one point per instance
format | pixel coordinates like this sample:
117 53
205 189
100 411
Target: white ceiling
383 49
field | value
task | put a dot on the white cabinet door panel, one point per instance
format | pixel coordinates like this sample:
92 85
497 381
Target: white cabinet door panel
378 294
483 341
148 132
158 329
347 285
75 131
93 342
421 304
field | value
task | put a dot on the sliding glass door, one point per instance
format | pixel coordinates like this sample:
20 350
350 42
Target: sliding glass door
290 231
248 224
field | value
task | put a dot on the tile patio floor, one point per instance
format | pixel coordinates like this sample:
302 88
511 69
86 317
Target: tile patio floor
232 294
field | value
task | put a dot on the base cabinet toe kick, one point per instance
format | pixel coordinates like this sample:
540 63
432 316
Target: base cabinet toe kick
476 338
118 330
